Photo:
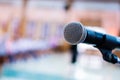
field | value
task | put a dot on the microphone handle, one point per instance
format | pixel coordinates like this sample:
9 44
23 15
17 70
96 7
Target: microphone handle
102 40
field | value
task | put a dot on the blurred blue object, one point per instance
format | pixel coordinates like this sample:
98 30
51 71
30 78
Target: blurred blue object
9 73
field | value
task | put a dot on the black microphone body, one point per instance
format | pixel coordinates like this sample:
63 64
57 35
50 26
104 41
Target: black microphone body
76 33
102 40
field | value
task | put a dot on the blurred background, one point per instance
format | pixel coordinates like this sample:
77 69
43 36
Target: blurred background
32 46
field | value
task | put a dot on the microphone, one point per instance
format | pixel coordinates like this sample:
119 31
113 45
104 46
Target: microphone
75 33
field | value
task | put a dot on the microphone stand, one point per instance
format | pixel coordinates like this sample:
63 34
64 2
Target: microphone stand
108 55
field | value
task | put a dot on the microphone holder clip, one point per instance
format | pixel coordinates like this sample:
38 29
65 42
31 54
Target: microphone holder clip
108 55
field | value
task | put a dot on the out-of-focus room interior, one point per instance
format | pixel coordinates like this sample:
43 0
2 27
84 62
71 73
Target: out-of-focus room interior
32 45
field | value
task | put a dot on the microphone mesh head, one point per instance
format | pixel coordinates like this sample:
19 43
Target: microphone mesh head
74 33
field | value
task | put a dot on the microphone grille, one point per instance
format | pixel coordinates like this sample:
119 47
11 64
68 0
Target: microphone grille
74 33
